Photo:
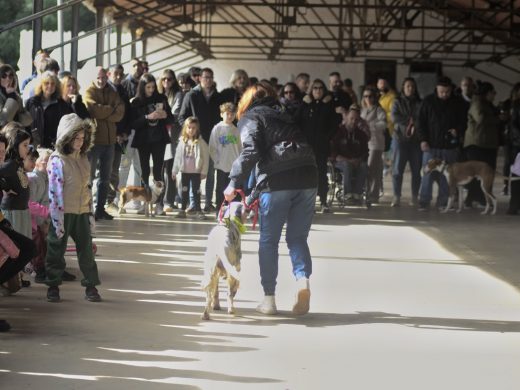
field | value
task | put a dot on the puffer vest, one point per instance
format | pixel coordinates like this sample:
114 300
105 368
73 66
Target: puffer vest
76 191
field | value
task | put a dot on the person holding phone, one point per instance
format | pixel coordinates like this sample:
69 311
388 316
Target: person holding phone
11 106
151 116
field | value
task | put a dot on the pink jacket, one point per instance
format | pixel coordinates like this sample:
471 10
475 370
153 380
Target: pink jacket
7 248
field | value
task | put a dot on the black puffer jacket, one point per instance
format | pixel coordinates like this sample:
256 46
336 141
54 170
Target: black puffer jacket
436 117
273 142
317 120
148 131
45 121
404 110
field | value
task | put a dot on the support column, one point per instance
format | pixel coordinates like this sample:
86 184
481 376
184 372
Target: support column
61 33
133 37
100 36
37 28
119 32
74 44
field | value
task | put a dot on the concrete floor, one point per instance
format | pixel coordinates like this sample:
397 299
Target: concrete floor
400 300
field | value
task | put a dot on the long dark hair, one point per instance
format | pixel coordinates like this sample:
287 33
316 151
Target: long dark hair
411 80
15 134
175 84
145 79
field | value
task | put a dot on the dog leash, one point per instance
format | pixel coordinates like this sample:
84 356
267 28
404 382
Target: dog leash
248 206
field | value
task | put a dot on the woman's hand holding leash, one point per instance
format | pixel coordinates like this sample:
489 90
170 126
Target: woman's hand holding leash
229 193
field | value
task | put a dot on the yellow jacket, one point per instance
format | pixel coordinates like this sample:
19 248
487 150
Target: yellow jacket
387 101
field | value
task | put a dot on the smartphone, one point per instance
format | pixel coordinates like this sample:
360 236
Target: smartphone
158 106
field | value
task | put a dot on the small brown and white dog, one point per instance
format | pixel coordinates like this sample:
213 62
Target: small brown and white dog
139 193
462 173
222 258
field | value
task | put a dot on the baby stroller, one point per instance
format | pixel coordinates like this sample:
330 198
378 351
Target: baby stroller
335 178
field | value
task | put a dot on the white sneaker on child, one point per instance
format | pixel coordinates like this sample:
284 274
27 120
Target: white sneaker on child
268 306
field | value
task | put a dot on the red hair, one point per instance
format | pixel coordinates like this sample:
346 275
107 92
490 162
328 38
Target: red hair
256 92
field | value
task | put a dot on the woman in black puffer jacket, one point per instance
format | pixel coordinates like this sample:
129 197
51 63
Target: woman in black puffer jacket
286 185
151 114
317 119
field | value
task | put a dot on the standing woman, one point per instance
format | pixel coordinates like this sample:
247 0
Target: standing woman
407 146
151 114
70 95
46 107
286 185
375 116
317 119
169 87
11 105
481 139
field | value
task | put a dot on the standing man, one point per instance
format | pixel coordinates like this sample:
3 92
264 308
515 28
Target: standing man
115 76
303 81
203 102
131 81
340 99
106 108
440 125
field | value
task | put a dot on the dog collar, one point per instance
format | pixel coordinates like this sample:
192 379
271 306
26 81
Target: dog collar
241 227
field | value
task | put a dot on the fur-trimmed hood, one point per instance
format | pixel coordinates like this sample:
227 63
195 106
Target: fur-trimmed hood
70 125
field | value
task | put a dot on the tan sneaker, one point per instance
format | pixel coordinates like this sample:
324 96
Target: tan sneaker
268 306
303 297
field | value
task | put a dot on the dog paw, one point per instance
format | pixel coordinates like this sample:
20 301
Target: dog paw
205 316
122 211
217 306
231 310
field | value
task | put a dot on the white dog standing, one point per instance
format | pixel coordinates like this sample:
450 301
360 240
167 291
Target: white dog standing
222 258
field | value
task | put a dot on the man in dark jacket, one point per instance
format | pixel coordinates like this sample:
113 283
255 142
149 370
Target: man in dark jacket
203 102
441 127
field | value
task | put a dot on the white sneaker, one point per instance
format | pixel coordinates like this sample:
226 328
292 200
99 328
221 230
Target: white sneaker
303 297
159 209
396 202
268 306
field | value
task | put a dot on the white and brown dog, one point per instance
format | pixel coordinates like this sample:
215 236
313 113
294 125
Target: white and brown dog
462 173
149 198
222 258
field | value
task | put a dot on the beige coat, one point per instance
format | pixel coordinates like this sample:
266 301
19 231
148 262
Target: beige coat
106 108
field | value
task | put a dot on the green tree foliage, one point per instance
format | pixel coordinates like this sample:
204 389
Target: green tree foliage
13 10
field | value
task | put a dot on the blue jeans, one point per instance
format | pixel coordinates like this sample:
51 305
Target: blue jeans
354 176
210 183
425 195
296 208
105 155
406 152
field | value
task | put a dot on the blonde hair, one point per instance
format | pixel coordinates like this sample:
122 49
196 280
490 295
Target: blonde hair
45 78
187 123
228 107
64 82
44 154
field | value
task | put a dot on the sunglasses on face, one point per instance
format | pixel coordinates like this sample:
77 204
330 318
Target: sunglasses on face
8 76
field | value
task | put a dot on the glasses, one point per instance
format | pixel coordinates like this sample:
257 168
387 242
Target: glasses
8 76
291 92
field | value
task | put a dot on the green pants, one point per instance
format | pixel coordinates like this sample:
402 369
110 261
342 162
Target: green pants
76 226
